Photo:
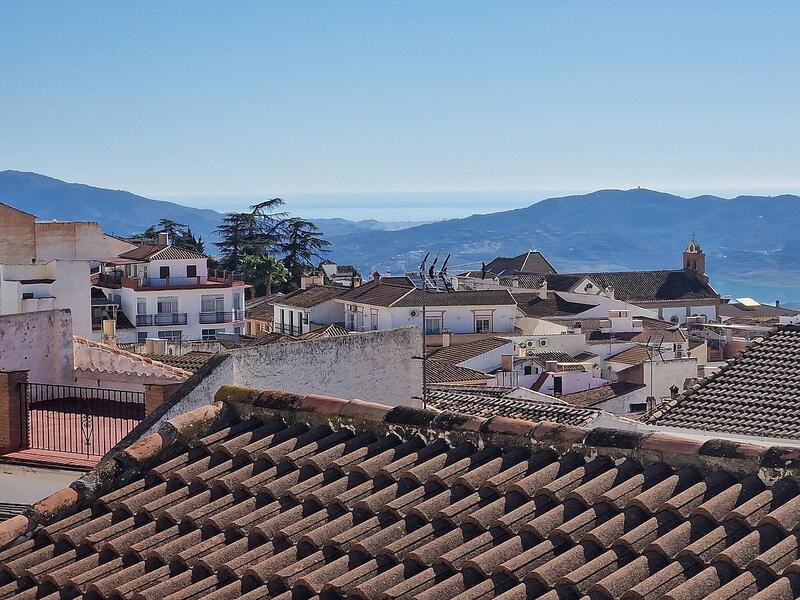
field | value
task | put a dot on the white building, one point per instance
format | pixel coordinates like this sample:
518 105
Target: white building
307 309
46 265
169 293
345 275
379 305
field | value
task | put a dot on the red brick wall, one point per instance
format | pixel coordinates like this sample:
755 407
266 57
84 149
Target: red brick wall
156 394
12 426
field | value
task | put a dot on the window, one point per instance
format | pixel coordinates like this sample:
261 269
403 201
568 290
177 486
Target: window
211 334
141 306
163 272
433 325
141 336
237 329
172 336
483 324
373 320
638 407
527 370
191 270
212 303
558 386
237 302
167 305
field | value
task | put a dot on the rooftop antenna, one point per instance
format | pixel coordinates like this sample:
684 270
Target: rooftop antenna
424 337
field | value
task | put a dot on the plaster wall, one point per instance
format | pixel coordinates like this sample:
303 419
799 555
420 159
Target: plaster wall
40 342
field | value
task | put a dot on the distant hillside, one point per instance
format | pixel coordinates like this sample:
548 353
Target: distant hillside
119 212
750 240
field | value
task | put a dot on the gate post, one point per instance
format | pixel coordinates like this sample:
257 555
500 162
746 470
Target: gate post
13 411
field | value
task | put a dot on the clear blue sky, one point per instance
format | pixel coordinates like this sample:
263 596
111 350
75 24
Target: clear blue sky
172 98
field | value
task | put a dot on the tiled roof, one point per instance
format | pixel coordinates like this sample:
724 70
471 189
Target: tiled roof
345 269
325 332
263 307
458 353
160 252
458 298
529 262
668 332
515 408
632 356
554 305
756 393
377 292
543 357
293 503
95 356
760 311
632 286
191 361
311 296
441 372
601 394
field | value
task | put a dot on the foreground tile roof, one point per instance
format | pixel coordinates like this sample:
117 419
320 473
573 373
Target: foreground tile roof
271 495
756 393
276 496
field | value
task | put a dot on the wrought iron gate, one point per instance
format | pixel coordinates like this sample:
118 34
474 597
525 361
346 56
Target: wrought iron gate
78 420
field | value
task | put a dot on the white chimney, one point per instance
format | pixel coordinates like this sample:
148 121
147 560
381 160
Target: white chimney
446 338
163 238
110 332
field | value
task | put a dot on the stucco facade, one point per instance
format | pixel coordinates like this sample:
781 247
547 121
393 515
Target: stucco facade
40 342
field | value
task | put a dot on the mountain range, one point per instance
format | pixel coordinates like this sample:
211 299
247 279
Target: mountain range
752 242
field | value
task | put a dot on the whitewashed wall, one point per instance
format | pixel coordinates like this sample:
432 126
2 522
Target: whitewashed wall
40 342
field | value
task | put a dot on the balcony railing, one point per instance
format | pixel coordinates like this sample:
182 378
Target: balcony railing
214 279
287 329
221 316
161 319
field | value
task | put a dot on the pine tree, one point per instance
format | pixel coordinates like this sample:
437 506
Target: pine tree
302 244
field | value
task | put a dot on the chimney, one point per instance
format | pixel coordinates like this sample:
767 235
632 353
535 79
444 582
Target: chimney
778 303
507 362
110 332
306 281
376 276
163 238
446 338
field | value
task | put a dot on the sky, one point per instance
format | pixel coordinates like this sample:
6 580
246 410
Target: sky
213 100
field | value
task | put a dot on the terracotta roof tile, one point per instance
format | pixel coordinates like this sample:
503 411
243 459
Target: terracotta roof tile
274 506
756 394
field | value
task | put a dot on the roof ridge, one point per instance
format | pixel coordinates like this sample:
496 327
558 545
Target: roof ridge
130 355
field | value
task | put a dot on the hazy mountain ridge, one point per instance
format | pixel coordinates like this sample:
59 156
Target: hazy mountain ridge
118 211
751 241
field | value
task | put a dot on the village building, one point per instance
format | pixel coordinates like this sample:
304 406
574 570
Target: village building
672 294
345 275
260 314
45 265
307 309
380 305
170 293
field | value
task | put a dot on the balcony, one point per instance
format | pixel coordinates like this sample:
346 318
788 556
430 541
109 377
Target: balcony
221 316
161 319
287 329
215 279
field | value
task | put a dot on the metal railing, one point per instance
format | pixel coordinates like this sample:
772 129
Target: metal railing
213 279
221 316
77 420
289 330
169 318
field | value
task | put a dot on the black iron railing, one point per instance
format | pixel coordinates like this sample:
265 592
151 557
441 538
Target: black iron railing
221 316
78 420
169 318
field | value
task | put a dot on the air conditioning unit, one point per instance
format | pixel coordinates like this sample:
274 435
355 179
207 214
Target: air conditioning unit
530 352
530 344
543 342
412 313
